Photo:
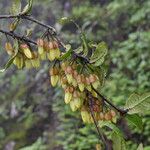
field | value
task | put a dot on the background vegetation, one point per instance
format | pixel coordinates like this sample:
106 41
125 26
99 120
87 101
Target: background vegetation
33 115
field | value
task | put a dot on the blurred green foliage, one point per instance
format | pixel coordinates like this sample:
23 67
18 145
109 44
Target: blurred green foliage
35 118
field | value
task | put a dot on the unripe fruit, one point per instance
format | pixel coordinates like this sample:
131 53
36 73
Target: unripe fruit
43 56
107 116
82 78
98 147
69 78
69 70
34 54
55 45
74 82
81 87
35 62
113 113
51 55
78 102
114 119
40 43
87 81
101 116
88 85
90 119
50 45
96 108
75 74
9 48
63 66
28 63
74 66
97 102
76 94
64 80
46 46
19 61
56 71
92 78
94 93
54 80
68 97
71 89
95 84
89 88
85 116
26 50
57 53
79 79
73 106
53 71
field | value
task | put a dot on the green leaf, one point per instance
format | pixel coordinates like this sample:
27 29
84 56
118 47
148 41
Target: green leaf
118 142
92 44
147 148
135 120
140 147
79 50
10 61
16 7
99 61
117 136
99 54
83 49
8 64
27 8
110 125
85 45
138 103
68 52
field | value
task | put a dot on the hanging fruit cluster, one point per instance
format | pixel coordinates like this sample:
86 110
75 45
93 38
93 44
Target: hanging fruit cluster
28 58
77 81
76 78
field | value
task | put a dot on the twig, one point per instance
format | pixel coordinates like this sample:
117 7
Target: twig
8 16
51 29
121 111
21 38
27 17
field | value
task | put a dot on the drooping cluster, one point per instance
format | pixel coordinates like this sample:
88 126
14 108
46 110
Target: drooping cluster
27 57
76 84
74 77
48 49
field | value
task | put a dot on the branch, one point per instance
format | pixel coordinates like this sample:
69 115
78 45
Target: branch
51 29
27 17
21 38
9 16
121 111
